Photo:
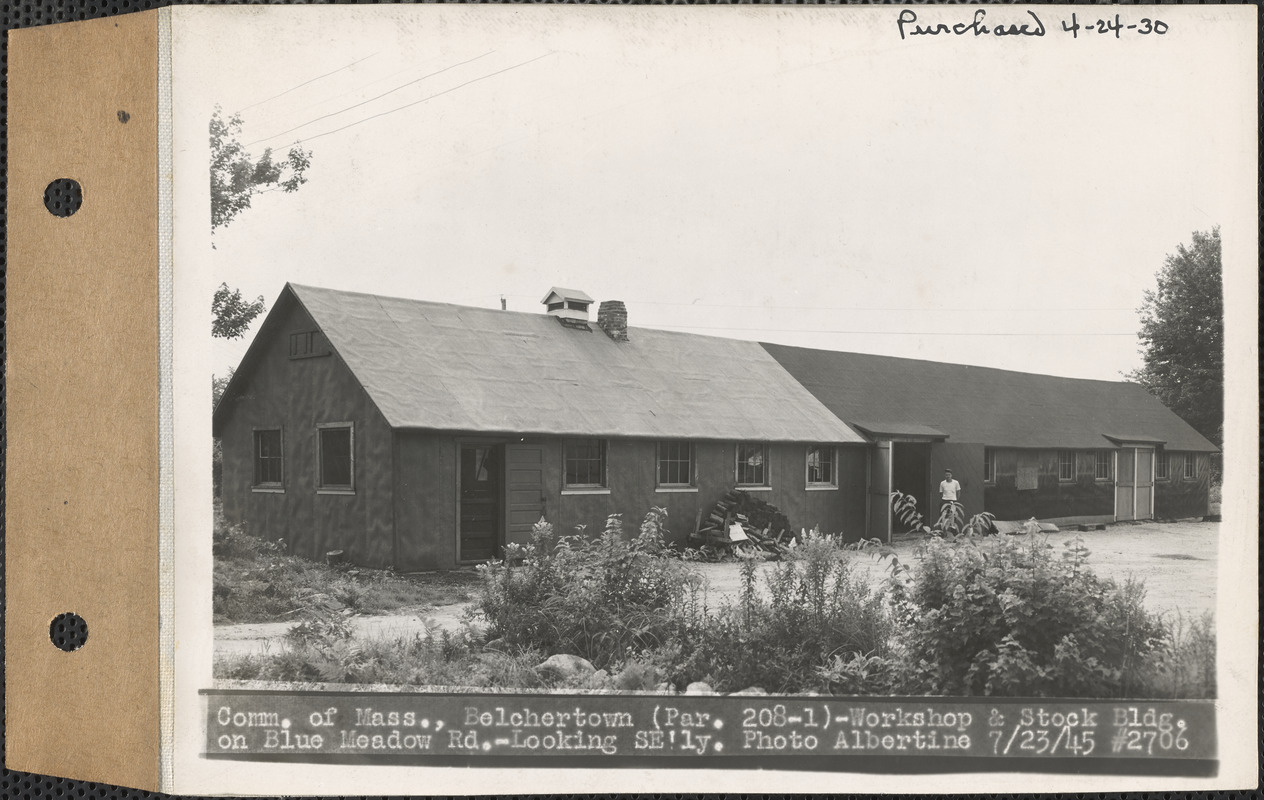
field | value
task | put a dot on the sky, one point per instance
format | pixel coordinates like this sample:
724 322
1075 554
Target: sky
801 176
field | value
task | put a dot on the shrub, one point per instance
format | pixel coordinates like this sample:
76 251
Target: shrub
602 599
951 522
814 609
1013 619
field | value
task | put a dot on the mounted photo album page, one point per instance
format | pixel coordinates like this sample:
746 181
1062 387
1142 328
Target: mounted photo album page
804 399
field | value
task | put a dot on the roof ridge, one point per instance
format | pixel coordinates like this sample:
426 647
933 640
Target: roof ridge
952 364
298 287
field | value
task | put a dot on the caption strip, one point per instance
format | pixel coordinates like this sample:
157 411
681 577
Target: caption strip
415 727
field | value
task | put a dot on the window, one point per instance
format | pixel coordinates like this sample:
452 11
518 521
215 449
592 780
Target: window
752 464
1066 465
675 463
1101 465
989 466
1190 466
1162 469
268 460
336 456
307 344
573 305
821 468
585 463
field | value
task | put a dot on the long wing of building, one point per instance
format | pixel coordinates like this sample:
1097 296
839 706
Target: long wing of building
424 435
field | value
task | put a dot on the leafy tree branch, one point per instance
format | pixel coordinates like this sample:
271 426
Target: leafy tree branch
232 313
237 176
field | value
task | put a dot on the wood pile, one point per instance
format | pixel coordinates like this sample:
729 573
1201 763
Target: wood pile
764 527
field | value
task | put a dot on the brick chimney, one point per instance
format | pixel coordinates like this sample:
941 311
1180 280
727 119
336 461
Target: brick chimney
612 316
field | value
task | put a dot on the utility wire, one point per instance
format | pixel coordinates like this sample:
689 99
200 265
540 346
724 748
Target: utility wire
359 88
422 100
304 83
880 333
370 100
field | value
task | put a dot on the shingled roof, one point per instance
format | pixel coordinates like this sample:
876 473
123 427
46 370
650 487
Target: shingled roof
996 407
446 367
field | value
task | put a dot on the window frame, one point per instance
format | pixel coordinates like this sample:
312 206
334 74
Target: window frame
1162 459
256 485
1062 462
832 481
1106 457
737 463
691 461
1189 467
603 460
989 465
330 488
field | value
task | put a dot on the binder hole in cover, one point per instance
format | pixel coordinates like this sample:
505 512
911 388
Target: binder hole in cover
63 197
68 631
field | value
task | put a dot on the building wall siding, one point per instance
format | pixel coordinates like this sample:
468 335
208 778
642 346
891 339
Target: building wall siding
1177 496
426 501
426 509
1085 496
966 463
295 395
632 478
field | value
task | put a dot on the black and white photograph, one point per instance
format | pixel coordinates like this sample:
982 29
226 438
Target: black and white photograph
784 355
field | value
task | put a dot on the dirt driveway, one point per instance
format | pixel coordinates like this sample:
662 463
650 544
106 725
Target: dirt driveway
1177 561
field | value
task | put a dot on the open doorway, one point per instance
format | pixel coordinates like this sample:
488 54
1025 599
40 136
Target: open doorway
481 476
909 474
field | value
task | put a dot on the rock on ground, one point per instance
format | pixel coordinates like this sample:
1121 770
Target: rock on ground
565 667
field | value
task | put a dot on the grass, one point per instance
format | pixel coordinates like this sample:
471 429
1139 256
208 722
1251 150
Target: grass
259 581
418 660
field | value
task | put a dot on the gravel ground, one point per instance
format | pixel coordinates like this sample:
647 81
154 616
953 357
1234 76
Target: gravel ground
1177 561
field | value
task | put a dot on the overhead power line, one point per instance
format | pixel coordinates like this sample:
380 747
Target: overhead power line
881 333
304 83
371 99
422 100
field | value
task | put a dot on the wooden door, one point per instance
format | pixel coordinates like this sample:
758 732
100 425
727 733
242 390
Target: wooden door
1144 504
481 473
524 470
1126 484
880 492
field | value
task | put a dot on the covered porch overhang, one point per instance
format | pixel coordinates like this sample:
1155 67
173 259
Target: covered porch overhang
886 437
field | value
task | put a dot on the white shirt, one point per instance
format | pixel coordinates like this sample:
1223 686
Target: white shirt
948 489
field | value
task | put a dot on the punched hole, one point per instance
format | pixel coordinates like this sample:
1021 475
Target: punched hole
68 631
63 197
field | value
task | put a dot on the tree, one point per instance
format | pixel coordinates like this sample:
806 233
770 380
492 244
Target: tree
218 384
236 176
233 314
1182 336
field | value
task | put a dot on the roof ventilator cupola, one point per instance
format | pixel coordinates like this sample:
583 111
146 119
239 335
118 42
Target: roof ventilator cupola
570 306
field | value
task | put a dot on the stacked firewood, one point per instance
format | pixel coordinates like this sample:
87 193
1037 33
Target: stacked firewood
741 523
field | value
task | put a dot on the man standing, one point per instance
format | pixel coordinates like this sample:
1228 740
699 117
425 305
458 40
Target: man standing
949 489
